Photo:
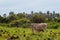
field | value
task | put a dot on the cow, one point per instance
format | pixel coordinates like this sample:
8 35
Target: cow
38 26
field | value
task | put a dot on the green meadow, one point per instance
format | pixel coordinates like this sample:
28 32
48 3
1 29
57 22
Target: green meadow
15 33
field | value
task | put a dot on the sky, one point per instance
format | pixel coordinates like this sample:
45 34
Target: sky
27 6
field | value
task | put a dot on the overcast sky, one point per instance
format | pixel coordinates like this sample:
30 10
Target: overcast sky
29 5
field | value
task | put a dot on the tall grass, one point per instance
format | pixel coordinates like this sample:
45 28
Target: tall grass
14 33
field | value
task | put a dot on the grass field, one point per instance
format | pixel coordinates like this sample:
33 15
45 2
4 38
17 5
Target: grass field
27 34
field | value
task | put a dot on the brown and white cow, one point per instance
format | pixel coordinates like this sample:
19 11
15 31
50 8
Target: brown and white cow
38 26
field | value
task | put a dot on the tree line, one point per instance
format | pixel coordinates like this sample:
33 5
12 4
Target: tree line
23 19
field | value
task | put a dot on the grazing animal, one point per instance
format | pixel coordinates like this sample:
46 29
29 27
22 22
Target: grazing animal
38 26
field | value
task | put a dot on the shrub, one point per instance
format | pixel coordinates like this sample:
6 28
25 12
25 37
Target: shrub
24 22
57 19
36 18
53 25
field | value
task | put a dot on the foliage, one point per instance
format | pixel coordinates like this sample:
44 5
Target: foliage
21 15
21 19
57 19
36 18
53 25
24 22
50 19
16 26
7 33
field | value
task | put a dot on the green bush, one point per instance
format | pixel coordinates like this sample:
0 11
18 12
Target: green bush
36 18
53 25
24 22
3 24
57 19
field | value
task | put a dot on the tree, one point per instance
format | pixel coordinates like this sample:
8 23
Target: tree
40 13
11 13
57 19
28 16
31 12
4 15
1 18
54 14
20 15
23 12
24 22
48 14
50 19
36 18
51 14
12 18
5 20
57 15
